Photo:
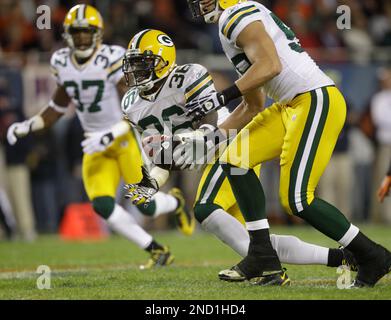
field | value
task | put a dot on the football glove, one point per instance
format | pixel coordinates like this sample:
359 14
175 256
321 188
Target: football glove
190 154
97 141
199 108
101 140
22 129
198 147
143 191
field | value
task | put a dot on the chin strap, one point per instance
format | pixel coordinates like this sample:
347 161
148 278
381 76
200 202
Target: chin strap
83 54
213 17
152 96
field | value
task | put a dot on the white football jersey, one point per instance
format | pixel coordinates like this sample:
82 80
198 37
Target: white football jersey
92 86
166 113
299 72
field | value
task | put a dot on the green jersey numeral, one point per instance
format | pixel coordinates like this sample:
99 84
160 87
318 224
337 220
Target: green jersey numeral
151 121
130 98
166 115
100 84
175 110
290 35
85 84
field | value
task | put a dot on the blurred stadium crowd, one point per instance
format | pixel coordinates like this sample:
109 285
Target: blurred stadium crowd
314 22
41 175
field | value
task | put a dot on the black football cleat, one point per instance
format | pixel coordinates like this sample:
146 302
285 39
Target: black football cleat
348 259
373 269
232 275
276 279
279 278
262 270
258 262
159 258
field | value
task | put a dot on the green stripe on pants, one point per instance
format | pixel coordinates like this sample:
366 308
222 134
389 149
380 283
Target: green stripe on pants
300 151
207 180
315 145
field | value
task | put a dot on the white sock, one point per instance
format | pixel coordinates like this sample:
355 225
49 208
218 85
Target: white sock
165 203
289 249
123 222
229 230
257 225
292 250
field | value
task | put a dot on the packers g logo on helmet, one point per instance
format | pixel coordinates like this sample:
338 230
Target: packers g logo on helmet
165 40
210 10
150 57
86 18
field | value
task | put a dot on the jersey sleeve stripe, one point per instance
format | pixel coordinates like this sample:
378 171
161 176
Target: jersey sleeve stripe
115 62
236 20
233 14
114 71
197 91
114 66
231 29
197 82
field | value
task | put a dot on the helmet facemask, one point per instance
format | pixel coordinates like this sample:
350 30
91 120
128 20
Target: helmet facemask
208 9
140 69
80 47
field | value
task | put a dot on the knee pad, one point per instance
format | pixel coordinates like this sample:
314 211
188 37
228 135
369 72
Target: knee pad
104 206
202 211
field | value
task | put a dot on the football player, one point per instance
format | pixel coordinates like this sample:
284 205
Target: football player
156 102
88 74
301 127
385 186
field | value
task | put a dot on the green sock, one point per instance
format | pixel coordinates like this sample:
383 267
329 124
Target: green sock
248 192
325 218
149 209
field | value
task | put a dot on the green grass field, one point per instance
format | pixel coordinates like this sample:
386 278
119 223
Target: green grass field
109 270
